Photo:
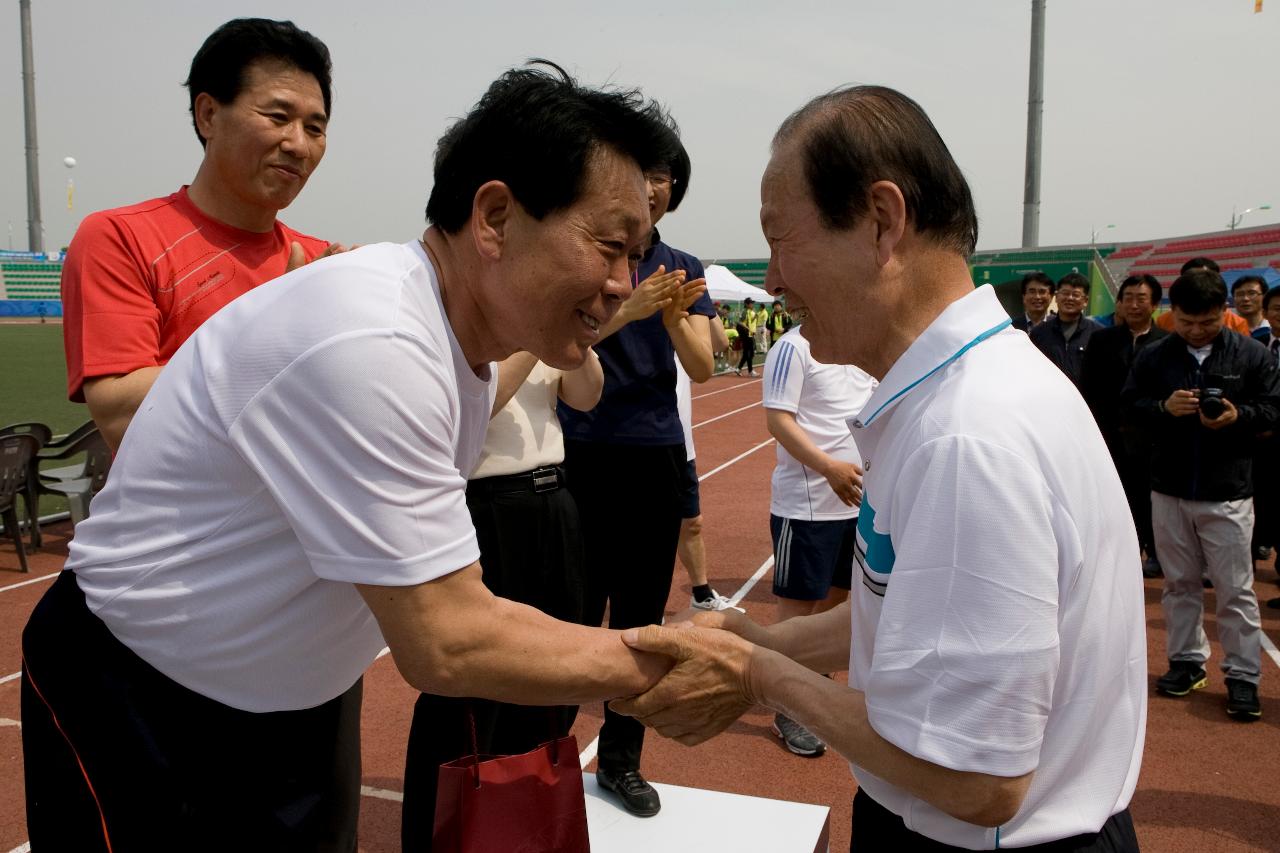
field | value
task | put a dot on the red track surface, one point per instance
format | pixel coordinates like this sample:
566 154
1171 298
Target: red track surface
1208 783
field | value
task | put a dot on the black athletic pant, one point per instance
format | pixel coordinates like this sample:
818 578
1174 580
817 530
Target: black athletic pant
531 552
113 749
875 829
748 359
629 501
1133 464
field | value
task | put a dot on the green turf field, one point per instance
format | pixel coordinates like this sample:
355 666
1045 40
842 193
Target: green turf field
33 387
33 378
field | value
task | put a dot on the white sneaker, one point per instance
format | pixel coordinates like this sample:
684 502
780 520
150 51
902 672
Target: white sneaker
715 602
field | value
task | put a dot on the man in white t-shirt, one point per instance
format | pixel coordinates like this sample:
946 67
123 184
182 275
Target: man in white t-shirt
816 489
997 679
290 498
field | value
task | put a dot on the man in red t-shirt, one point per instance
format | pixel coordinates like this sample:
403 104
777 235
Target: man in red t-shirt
139 280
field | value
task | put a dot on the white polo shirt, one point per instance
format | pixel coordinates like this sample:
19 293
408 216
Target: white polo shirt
998 626
313 434
823 398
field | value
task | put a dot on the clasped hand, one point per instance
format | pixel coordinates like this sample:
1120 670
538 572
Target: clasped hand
707 689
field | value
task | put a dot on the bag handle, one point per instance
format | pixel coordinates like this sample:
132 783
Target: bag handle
475 747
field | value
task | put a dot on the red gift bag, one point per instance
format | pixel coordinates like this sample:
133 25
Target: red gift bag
530 803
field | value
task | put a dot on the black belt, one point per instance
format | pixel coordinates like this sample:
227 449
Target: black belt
539 480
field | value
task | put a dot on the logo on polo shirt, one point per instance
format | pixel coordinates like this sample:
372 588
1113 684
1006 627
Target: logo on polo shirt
873 551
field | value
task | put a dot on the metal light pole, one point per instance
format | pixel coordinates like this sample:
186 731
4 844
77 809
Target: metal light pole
35 229
1035 116
1236 219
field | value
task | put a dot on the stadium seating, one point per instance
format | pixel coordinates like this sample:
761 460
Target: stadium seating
30 279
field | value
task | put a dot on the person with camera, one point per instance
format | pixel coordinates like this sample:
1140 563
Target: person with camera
1202 394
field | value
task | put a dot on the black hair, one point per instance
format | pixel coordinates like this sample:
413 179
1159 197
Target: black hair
1075 279
855 136
536 129
681 167
221 63
1198 292
1268 296
1152 283
1247 279
1200 263
1038 277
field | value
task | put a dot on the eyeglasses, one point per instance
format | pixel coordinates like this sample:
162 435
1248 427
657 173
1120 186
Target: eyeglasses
1248 294
660 180
1136 297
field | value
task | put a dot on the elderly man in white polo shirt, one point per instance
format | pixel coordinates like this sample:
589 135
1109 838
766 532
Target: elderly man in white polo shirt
290 498
995 636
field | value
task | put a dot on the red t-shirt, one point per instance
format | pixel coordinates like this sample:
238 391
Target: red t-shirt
138 280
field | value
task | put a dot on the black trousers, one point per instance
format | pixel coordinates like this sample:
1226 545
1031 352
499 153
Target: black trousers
1266 492
531 552
876 829
1133 464
117 753
629 500
748 353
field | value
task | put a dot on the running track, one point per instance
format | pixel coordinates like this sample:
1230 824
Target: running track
1208 783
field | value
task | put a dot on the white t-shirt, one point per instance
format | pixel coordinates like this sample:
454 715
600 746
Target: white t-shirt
684 407
315 433
824 398
998 625
526 434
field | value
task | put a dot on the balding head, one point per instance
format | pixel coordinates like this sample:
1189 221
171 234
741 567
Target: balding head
850 138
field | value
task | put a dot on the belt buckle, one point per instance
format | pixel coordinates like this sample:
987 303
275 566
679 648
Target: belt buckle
545 480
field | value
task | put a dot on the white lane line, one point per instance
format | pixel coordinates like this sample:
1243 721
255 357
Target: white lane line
726 414
584 757
47 577
5 721
737 458
382 654
1270 648
24 847
723 390
11 676
381 794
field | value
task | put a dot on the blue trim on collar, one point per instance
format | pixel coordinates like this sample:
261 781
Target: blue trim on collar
973 343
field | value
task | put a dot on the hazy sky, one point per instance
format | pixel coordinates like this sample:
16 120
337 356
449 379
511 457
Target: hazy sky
1159 114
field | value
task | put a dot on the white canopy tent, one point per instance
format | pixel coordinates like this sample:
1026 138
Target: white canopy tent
724 286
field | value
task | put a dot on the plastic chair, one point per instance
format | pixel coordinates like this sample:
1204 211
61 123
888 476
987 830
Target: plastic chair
91 477
16 453
31 493
55 447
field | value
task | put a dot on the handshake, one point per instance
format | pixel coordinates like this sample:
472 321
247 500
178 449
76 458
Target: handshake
712 680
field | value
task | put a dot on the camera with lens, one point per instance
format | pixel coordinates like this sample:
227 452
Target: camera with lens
1212 404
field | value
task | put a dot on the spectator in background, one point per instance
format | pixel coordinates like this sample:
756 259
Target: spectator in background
139 280
762 329
1230 319
530 541
626 458
1202 394
1106 364
1037 294
816 489
779 322
746 329
691 548
1063 338
1247 292
1266 462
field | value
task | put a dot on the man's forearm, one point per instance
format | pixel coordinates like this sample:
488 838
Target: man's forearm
114 400
819 642
788 432
838 715
454 638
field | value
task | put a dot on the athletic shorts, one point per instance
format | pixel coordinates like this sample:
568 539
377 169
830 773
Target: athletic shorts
690 506
811 557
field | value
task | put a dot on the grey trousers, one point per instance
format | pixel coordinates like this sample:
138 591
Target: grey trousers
1213 538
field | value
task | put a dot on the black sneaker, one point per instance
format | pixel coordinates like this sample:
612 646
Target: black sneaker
1242 700
1151 569
637 796
1273 603
1262 552
1181 679
797 738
